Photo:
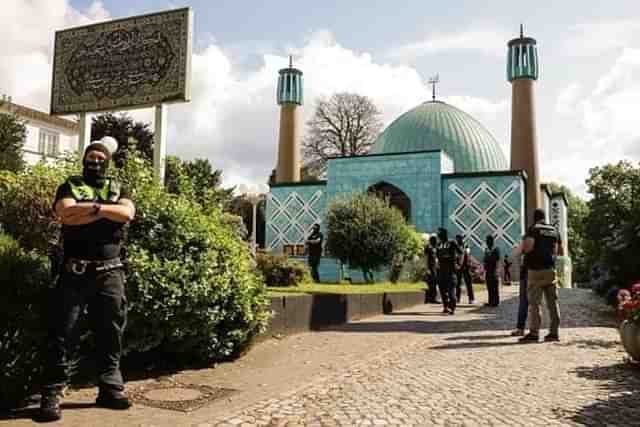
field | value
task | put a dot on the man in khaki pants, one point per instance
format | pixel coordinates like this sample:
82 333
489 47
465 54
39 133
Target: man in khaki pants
541 245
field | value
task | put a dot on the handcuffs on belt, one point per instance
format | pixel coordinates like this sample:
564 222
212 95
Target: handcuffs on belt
79 266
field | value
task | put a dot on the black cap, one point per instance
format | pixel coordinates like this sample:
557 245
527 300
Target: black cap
539 215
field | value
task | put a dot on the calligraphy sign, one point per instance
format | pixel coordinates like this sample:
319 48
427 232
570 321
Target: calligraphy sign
126 63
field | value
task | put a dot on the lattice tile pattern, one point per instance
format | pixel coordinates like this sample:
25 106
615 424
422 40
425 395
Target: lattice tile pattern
291 215
486 208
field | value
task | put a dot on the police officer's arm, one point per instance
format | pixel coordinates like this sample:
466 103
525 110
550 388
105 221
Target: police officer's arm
123 211
74 213
527 244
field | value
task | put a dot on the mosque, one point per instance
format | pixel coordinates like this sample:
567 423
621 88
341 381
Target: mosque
437 164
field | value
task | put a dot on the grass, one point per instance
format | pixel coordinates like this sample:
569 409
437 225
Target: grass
346 288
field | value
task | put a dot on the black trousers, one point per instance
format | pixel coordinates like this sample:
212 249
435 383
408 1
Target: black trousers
447 286
432 287
314 263
493 290
103 295
466 275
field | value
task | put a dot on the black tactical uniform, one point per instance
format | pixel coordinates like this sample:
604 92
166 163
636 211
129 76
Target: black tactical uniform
91 277
432 272
491 260
447 252
464 273
314 248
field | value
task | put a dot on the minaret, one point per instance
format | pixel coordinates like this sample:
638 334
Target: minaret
289 95
522 72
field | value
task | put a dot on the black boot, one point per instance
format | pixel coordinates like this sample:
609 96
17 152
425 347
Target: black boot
50 407
113 399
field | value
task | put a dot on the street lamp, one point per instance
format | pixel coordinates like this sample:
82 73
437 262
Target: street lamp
254 194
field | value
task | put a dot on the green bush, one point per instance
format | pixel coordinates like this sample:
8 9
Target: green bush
278 270
190 285
23 289
411 248
365 232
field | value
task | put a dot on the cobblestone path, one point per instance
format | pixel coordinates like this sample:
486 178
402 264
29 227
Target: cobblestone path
466 370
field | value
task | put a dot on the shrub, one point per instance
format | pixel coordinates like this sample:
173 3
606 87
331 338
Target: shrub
191 288
278 270
23 290
411 247
365 232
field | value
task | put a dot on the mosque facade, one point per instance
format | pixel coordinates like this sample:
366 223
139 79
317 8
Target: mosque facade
437 164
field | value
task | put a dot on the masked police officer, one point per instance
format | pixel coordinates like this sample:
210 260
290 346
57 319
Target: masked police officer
447 252
491 261
93 210
432 270
314 248
463 271
541 245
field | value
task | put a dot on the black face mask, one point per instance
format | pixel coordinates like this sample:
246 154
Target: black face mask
94 171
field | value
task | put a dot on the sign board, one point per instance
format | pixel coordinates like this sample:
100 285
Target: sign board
128 63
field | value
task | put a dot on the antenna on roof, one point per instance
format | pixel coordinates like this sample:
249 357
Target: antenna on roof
433 81
290 61
521 31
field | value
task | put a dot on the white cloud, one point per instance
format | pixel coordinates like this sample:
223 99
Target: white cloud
607 117
487 42
597 38
27 34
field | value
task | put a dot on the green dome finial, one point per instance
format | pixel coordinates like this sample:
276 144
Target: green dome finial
522 58
290 87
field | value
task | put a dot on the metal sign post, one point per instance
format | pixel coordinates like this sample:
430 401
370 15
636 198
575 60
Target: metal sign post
160 142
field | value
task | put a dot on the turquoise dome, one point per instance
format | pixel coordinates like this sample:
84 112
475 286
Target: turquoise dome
436 125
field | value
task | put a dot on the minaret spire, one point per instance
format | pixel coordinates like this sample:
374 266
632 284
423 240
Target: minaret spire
290 61
521 31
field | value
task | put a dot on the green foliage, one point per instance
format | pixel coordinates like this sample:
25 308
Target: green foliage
191 287
411 248
13 134
26 210
365 232
132 137
613 220
198 180
278 270
23 290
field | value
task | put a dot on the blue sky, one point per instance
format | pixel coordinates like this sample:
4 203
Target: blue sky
586 96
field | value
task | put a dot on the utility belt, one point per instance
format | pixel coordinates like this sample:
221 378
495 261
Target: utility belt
82 266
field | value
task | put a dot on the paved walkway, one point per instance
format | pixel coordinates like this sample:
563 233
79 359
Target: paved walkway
417 367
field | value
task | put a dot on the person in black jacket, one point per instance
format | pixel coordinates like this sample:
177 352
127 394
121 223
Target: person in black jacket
447 252
314 248
491 260
464 271
432 270
541 246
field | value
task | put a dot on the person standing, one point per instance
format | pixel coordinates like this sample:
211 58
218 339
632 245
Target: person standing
507 270
93 210
314 250
464 271
432 270
523 301
491 260
541 246
447 253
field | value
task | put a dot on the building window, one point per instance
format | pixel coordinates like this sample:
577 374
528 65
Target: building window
49 143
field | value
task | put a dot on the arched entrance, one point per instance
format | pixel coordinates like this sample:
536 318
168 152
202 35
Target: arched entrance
397 198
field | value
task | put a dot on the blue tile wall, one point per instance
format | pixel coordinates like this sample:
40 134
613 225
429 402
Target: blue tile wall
416 174
480 205
290 213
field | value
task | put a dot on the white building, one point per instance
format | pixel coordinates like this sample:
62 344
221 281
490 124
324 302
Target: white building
48 137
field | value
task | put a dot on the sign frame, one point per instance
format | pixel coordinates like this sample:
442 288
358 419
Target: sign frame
182 75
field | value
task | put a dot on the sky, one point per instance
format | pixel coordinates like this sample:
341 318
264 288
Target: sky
587 96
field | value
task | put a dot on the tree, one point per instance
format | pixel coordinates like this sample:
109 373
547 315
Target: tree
13 134
346 124
365 232
242 207
198 179
578 211
613 220
136 136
